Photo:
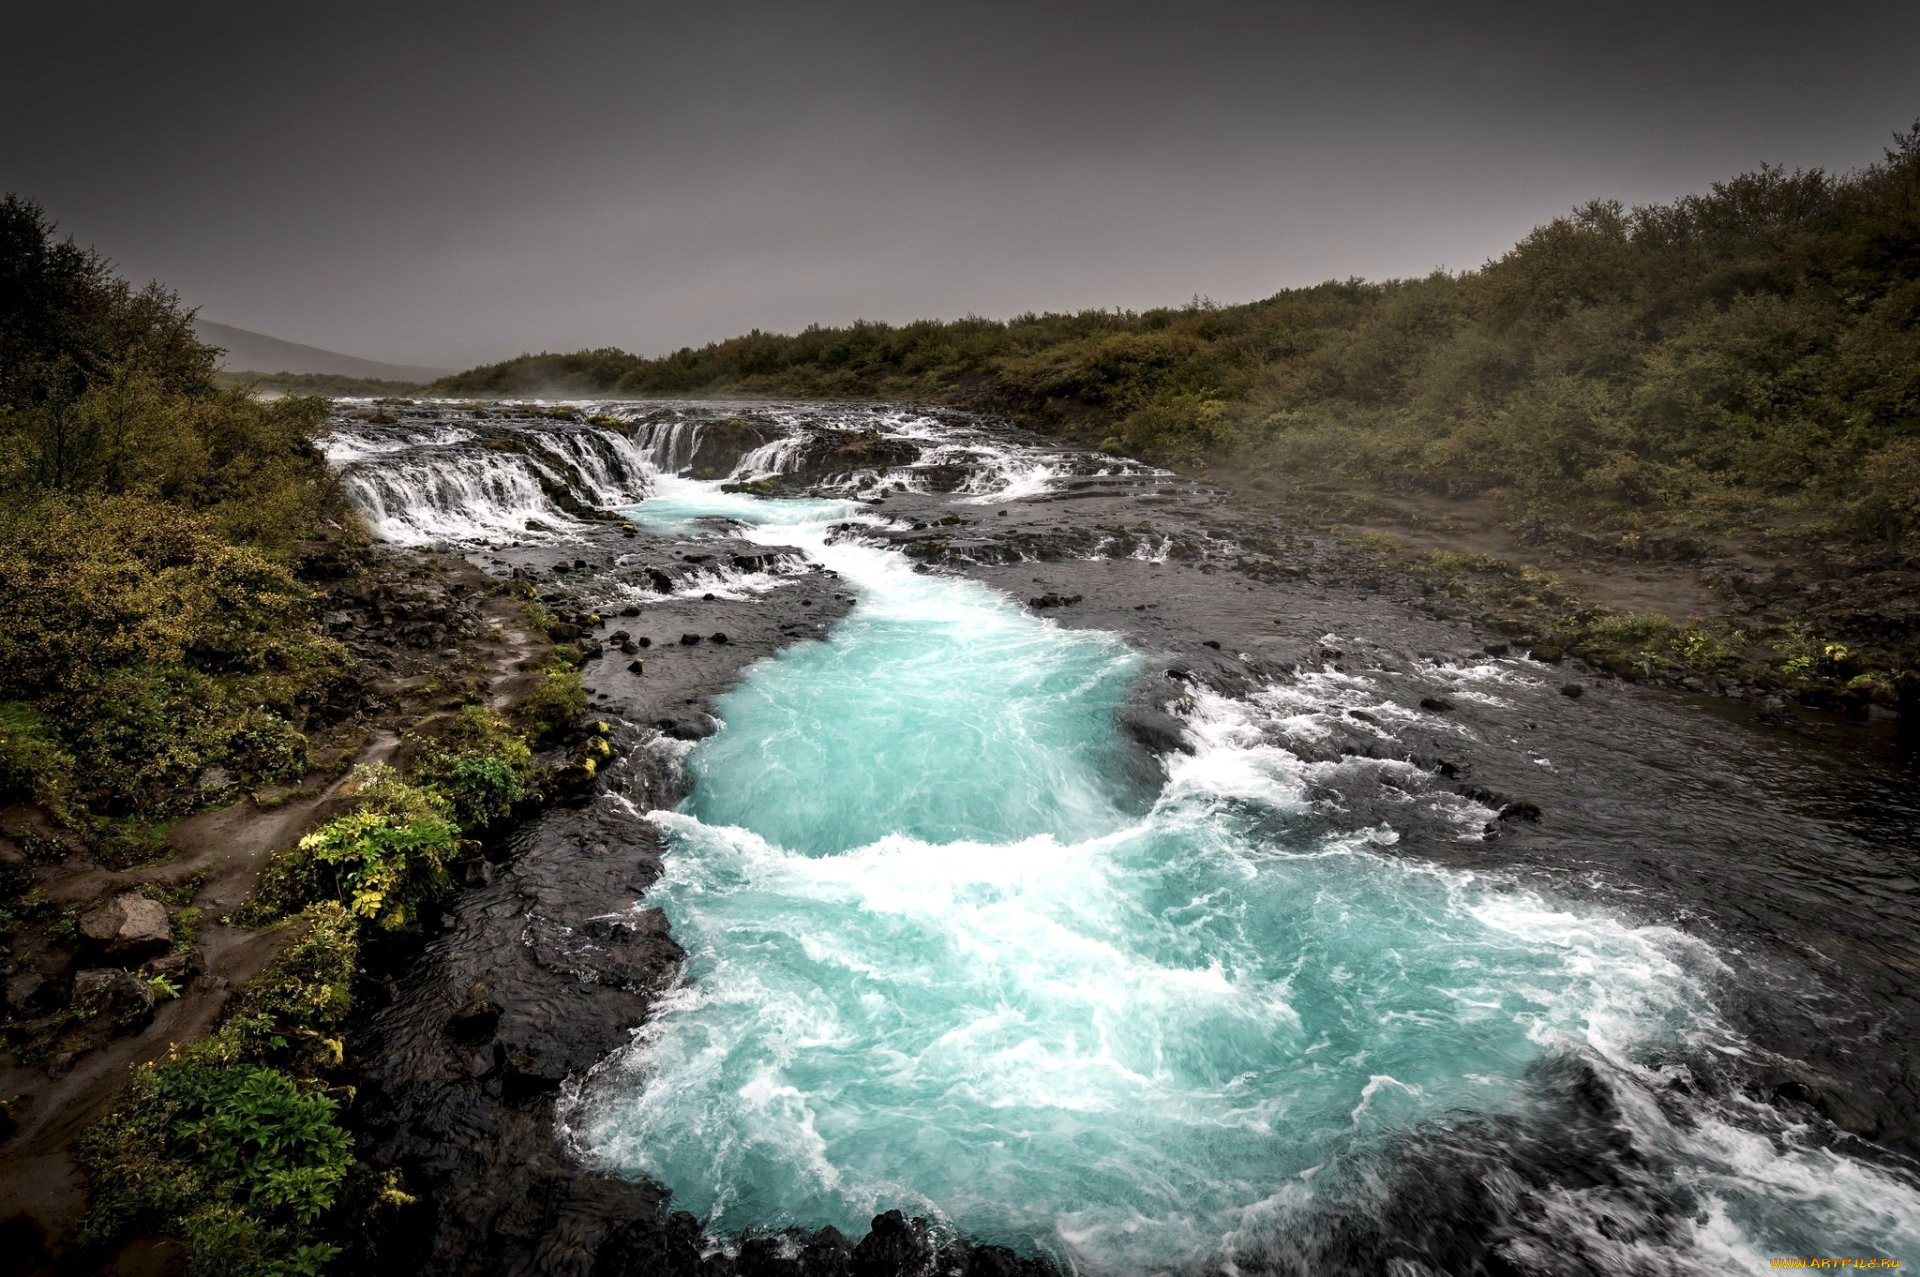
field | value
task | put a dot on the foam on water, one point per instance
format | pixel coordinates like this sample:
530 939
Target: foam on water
942 957
421 483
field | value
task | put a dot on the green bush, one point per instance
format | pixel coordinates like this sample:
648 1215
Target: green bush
555 704
151 624
235 1157
481 765
383 860
230 1143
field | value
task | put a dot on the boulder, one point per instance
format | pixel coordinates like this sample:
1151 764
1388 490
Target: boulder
121 997
26 994
895 1246
127 926
476 1020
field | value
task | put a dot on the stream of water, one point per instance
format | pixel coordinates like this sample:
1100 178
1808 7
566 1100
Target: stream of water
945 955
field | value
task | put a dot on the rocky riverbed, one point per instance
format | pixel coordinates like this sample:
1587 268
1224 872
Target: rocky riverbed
1784 857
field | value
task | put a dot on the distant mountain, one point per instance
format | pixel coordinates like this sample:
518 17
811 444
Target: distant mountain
256 352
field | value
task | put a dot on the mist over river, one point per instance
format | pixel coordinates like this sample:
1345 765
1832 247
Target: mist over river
1054 854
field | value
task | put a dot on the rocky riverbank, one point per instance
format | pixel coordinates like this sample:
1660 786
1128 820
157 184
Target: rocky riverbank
1587 785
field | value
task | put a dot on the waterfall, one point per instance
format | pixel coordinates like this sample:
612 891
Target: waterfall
417 483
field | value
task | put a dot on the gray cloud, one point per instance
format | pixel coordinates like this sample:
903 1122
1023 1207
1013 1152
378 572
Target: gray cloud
446 184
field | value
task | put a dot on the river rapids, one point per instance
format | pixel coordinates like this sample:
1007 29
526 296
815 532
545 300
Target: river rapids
1050 924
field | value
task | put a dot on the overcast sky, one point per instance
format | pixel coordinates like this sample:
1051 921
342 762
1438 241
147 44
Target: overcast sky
454 183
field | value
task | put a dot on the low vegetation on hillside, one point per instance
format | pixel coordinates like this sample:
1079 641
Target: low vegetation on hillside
156 639
1707 359
331 385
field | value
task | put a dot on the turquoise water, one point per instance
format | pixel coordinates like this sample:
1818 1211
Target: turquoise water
943 957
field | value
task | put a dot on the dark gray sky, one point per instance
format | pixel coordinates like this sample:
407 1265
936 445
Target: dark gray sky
452 183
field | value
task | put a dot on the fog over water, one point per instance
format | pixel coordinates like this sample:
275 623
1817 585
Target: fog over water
420 186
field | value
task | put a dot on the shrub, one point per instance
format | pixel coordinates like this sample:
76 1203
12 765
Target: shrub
481 764
234 1156
556 703
383 860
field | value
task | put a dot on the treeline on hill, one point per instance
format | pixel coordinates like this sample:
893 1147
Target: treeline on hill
1703 358
156 644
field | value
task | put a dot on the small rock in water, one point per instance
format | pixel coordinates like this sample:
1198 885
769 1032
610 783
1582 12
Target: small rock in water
1212 643
716 637
1574 690
1521 811
1437 704
631 609
688 640
706 598
636 666
1549 653
644 641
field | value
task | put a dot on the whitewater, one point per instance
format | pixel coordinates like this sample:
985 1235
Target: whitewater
943 957
951 949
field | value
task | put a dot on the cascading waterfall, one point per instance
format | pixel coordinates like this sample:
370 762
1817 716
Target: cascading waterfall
482 481
943 957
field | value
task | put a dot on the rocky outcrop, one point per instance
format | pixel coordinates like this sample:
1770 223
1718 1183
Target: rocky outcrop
723 443
127 927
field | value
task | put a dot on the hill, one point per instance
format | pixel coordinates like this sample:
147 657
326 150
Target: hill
256 352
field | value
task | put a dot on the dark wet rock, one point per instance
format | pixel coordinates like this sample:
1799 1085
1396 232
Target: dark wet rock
893 1247
1436 704
476 1019
688 640
653 1248
1521 811
120 998
128 926
1550 653
27 994
723 443
1573 690
1051 600
1212 643
179 968
636 666
717 637
644 641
